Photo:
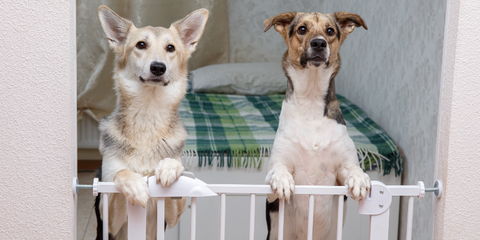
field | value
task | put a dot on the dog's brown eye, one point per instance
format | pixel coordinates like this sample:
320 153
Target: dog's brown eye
141 45
171 48
330 32
302 30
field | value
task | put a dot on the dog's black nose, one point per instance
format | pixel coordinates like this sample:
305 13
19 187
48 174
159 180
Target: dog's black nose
158 68
318 44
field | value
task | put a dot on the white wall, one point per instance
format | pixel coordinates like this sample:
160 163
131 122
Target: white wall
37 119
392 71
457 213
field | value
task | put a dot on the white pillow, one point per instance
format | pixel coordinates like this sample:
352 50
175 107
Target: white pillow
240 78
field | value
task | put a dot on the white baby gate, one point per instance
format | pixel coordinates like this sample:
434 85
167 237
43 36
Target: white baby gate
377 204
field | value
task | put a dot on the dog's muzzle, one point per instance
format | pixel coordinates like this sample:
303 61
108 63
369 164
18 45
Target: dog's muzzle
154 81
158 68
316 54
318 45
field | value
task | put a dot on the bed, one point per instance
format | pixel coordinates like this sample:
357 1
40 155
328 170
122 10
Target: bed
231 113
238 131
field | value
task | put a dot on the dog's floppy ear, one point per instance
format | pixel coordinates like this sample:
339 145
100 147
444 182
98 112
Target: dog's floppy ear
115 27
348 22
280 22
191 28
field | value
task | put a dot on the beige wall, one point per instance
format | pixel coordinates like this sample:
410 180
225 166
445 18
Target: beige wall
37 119
392 71
457 213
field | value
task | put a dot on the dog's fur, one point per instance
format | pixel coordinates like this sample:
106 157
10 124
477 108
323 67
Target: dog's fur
312 145
144 136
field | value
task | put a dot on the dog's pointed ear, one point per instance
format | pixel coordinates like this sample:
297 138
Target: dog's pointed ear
191 28
115 27
280 22
348 22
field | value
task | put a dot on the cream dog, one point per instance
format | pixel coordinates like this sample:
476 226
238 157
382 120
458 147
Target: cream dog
144 136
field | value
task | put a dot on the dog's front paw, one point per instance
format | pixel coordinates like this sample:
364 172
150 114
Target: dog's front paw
133 187
282 184
168 171
358 185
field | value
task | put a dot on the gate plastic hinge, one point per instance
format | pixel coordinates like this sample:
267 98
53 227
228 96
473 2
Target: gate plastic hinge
95 187
421 188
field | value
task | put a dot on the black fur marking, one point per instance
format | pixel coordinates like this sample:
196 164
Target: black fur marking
336 114
293 25
116 145
332 105
271 207
166 143
303 60
98 174
338 30
175 149
290 33
289 91
108 141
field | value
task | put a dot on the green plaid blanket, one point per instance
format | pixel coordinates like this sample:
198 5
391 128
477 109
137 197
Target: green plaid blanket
239 130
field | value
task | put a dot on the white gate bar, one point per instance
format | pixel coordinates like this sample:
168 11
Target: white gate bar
193 219
281 218
252 216
160 218
247 189
183 187
311 201
107 187
404 190
379 226
410 218
223 203
137 221
341 201
105 215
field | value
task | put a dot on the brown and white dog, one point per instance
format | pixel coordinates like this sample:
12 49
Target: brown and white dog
312 145
144 136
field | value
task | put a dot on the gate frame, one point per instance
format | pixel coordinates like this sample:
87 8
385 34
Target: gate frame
376 205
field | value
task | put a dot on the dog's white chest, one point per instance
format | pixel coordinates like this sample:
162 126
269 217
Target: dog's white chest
313 144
